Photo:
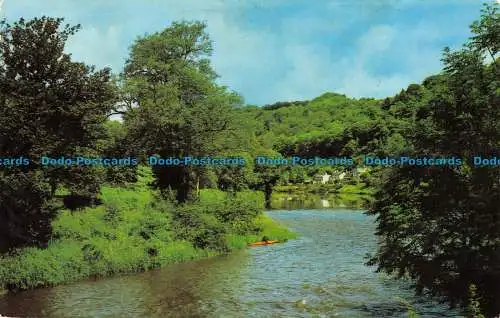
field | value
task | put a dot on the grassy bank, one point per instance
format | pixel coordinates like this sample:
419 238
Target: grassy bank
357 196
328 188
133 231
270 230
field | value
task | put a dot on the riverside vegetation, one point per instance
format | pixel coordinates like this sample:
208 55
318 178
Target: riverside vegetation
438 226
63 223
133 231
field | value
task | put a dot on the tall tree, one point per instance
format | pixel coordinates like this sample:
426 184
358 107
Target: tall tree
441 225
177 108
49 106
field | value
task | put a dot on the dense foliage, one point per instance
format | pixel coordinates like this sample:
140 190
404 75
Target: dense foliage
180 110
441 225
49 106
133 231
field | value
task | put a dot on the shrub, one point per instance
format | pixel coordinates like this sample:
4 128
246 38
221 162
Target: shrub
194 224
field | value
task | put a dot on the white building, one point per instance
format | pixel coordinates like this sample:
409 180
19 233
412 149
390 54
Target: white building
323 178
342 175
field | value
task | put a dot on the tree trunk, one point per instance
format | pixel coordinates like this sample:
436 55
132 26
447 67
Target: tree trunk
198 186
268 191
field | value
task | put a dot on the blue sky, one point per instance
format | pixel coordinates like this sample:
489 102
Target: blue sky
278 50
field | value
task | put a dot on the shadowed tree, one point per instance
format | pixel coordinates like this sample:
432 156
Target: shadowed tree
441 225
49 106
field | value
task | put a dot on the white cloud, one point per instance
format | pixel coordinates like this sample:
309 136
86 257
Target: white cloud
100 47
294 60
310 73
378 38
313 71
358 83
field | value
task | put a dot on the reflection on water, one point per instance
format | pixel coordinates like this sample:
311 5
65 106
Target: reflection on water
284 201
325 203
321 274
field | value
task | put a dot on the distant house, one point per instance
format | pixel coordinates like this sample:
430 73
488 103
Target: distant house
342 175
323 178
339 175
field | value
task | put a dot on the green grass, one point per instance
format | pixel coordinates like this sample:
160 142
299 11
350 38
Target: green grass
116 237
211 196
132 232
271 229
355 189
274 230
308 188
305 190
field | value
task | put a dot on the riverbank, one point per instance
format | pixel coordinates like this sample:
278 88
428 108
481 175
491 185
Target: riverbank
134 231
358 188
322 270
317 196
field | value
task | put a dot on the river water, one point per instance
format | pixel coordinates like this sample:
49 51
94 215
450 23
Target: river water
320 274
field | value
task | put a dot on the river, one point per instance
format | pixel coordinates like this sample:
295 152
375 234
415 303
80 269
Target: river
320 274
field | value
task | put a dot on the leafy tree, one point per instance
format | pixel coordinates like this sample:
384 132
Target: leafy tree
180 110
116 145
267 176
237 178
441 225
49 106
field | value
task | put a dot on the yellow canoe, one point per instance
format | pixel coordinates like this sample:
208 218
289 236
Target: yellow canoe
263 243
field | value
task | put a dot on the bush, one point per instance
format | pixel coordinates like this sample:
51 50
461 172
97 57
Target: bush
217 215
212 196
26 210
194 223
